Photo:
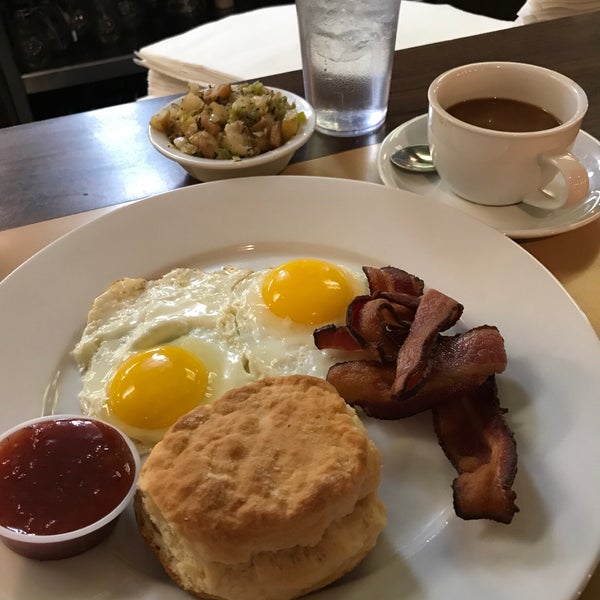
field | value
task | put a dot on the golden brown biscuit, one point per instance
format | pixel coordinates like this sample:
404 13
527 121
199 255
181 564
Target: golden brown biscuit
268 492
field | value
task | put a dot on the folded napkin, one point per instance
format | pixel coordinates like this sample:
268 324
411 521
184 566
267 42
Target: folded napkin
263 42
543 10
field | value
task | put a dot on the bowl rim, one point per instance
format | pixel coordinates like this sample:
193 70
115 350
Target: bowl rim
38 538
160 141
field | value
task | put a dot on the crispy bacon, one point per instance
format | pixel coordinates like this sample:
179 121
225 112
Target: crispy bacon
406 303
392 279
366 384
476 439
344 337
436 312
405 365
458 363
336 338
380 324
353 319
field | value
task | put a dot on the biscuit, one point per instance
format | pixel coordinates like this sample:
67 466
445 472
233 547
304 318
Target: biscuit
267 492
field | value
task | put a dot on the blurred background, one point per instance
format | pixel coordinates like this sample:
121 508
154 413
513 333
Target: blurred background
59 57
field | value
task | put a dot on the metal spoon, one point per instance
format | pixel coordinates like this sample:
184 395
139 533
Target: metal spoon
414 158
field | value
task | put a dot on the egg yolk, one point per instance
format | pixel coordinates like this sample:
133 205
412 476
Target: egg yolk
308 291
152 389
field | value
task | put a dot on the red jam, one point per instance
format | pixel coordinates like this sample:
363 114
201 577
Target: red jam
61 475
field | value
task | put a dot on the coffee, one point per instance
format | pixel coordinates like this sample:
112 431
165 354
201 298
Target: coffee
503 114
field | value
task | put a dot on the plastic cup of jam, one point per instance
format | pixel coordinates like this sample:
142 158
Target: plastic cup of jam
64 481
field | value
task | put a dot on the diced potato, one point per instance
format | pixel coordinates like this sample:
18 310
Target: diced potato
219 92
183 145
228 121
206 144
189 126
289 125
276 135
262 104
191 102
208 124
237 139
161 120
220 113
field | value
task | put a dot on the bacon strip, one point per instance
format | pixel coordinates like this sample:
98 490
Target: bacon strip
336 338
366 384
436 312
400 299
350 335
380 324
392 279
458 363
476 439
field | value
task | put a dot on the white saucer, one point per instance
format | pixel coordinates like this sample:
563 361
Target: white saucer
518 221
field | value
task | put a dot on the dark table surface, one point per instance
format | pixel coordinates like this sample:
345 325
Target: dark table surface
101 158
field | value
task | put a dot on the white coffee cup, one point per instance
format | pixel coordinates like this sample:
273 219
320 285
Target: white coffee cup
499 168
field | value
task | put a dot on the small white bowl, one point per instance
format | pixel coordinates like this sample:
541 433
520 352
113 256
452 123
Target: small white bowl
267 163
69 543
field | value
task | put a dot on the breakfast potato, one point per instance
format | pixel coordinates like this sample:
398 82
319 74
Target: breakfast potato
289 126
160 121
229 121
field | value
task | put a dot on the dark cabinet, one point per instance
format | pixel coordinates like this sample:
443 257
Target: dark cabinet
64 56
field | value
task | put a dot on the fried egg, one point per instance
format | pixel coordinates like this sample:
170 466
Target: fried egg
153 350
277 311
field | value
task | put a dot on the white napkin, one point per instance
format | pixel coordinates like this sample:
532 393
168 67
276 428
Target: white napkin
263 42
543 10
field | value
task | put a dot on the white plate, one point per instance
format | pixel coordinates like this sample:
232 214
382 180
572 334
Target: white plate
550 386
518 221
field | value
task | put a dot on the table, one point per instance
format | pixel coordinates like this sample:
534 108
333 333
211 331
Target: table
60 173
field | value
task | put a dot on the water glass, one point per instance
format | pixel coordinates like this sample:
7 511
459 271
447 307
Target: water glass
347 55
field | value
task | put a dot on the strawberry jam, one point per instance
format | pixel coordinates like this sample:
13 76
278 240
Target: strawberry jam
61 475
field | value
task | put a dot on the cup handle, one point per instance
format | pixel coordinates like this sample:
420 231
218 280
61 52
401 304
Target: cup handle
575 182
